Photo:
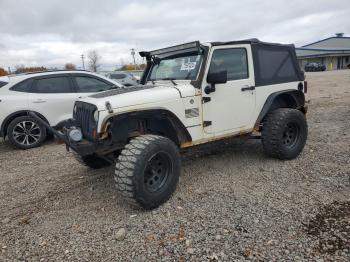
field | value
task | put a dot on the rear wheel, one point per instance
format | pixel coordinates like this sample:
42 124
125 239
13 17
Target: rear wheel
284 133
148 169
25 132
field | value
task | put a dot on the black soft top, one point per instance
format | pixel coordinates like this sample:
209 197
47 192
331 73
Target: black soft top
274 63
250 41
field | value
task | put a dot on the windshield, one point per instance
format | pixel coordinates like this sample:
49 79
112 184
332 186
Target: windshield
181 67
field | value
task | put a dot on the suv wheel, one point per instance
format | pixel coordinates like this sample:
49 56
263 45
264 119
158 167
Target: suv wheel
148 170
92 161
284 133
25 132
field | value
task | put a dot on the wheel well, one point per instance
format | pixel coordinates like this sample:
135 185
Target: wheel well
160 122
12 116
283 99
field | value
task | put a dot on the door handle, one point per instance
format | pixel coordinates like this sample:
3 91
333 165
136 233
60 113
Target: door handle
248 88
38 101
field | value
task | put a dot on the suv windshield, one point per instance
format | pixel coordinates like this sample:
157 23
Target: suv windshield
180 67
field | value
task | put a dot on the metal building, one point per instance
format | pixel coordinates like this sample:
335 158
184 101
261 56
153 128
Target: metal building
333 52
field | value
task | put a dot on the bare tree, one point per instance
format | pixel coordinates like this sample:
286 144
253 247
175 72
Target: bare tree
94 60
69 66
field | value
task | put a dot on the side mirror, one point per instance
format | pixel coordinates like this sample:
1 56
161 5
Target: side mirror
217 77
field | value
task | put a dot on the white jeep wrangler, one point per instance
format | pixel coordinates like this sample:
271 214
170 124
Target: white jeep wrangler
190 94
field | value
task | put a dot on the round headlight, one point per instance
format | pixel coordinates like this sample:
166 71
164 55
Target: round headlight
96 116
75 135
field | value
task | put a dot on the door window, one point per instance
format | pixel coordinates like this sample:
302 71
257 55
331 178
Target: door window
91 85
22 86
52 85
234 61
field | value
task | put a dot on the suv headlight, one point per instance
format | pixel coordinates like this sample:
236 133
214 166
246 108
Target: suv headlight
96 116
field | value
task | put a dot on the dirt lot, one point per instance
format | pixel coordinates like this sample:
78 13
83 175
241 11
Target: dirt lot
232 203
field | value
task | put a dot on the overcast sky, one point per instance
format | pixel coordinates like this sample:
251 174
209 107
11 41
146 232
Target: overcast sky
54 32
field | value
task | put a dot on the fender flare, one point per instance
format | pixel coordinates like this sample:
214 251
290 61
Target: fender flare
122 124
10 117
296 96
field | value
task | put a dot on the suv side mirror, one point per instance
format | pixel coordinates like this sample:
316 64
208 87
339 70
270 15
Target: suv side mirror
215 78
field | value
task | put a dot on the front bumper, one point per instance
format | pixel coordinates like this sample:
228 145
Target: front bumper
83 148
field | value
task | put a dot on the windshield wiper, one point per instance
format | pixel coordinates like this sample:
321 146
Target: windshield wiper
170 79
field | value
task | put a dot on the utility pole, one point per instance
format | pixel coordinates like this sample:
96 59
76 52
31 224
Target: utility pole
133 55
82 58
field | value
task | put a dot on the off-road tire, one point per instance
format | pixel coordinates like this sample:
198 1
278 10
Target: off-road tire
92 161
138 165
284 133
37 137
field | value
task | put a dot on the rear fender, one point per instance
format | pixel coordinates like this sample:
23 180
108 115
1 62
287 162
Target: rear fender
282 99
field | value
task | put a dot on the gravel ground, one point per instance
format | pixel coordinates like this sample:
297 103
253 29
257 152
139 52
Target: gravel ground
232 203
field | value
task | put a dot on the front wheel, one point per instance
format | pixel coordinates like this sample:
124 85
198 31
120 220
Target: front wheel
25 132
148 170
284 133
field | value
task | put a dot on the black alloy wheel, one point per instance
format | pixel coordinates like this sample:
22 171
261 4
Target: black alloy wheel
157 171
290 134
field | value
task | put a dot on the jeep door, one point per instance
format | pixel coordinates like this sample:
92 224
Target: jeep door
231 105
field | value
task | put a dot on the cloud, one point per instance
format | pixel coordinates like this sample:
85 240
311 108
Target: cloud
51 33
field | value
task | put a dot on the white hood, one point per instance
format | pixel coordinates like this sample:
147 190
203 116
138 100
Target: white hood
139 95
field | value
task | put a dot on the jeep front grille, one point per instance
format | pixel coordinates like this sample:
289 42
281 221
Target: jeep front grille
84 115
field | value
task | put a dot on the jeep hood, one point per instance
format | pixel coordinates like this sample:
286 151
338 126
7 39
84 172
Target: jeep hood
138 95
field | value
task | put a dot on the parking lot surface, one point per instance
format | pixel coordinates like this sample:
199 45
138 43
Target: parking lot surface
232 203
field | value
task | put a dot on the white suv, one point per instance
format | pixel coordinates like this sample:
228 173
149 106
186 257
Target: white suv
123 78
50 94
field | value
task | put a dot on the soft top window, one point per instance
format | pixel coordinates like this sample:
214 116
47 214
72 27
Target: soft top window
275 65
